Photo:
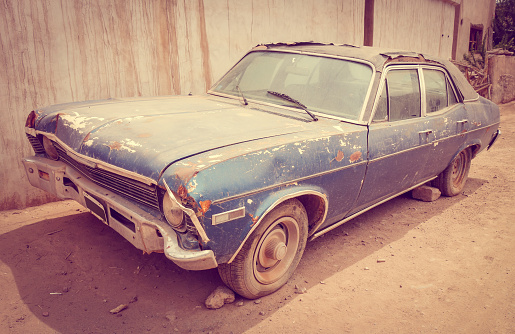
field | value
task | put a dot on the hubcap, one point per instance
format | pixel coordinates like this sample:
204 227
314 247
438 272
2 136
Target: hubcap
276 250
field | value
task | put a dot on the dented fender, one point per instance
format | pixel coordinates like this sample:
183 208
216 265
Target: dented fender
275 199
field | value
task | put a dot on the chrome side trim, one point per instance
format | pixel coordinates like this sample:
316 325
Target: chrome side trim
190 213
253 192
335 225
275 204
433 143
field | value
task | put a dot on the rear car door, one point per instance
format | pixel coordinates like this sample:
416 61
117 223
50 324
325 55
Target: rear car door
446 117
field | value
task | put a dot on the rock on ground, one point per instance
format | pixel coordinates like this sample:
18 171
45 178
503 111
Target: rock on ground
222 295
426 193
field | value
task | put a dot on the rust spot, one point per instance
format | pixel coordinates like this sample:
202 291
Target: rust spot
115 146
254 219
185 198
144 135
204 205
339 156
355 156
182 192
410 59
31 120
463 131
56 122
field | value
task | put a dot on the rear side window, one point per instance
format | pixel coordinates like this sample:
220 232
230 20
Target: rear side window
439 93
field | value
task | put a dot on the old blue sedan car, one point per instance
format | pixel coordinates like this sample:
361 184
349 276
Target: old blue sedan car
295 140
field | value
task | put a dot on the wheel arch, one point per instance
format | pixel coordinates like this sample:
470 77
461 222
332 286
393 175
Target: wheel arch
475 147
313 199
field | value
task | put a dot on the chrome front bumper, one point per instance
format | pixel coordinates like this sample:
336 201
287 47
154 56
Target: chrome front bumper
139 227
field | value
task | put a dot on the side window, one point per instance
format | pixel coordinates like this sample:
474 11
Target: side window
403 94
436 90
439 93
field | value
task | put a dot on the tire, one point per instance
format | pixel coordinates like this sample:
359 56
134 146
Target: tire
269 257
452 180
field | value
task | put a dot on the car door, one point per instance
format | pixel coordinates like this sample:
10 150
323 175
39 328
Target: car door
446 117
399 139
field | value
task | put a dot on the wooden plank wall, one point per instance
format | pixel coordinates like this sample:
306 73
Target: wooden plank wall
56 51
425 26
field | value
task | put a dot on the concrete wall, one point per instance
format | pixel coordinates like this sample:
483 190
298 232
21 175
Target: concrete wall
501 70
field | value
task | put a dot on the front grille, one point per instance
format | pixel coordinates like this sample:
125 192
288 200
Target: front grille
36 144
123 186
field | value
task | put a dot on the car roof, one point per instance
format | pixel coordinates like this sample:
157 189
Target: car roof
379 57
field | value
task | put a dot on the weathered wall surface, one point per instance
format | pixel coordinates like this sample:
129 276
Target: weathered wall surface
473 12
55 51
501 70
425 26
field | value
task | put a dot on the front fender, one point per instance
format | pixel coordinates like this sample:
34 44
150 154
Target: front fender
275 198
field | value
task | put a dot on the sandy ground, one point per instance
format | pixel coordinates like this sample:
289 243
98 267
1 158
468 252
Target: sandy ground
403 267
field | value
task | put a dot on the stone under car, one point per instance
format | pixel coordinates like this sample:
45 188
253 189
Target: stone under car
295 140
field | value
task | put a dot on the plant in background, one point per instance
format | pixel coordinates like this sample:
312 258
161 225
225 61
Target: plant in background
504 25
476 58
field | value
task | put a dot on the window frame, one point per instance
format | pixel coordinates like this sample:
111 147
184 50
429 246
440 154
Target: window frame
362 118
423 98
448 83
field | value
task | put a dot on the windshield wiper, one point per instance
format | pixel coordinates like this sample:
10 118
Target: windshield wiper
242 96
292 100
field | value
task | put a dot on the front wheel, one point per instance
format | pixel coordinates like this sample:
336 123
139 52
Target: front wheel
452 180
269 257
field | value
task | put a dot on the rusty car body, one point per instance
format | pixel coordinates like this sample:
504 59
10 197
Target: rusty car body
293 141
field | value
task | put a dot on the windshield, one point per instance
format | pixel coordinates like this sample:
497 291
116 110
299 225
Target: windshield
327 85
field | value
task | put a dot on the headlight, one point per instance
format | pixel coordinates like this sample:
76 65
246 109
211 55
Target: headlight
173 213
50 148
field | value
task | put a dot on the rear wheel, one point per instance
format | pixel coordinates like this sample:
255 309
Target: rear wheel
452 180
269 257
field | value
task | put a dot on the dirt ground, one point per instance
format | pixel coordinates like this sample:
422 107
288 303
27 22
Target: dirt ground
403 267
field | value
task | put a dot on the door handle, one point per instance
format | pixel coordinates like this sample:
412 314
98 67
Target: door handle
427 132
461 125
424 137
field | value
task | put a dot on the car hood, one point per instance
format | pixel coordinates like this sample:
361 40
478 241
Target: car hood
147 135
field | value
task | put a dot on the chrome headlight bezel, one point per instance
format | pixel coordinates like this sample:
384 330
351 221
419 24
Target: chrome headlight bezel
173 213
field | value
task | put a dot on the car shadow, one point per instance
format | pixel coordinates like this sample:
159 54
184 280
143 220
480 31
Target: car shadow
71 271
